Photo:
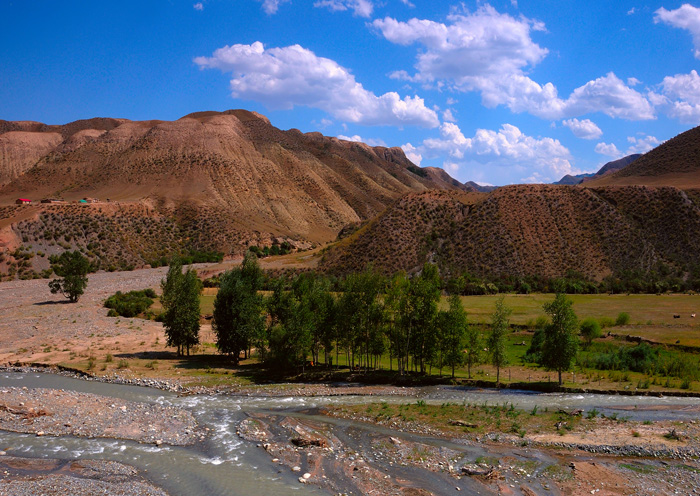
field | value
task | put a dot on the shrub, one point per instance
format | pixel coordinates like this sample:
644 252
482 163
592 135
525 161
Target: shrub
590 330
129 304
606 322
623 318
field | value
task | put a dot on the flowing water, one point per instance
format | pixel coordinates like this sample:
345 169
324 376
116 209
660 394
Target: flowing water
226 465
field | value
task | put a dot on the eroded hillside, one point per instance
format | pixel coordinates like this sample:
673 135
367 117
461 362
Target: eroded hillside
529 230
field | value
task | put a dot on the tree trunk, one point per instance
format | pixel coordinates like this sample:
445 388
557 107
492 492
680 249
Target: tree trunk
559 377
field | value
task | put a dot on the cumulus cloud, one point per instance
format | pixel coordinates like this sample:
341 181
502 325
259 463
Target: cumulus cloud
285 77
358 139
641 144
412 153
680 97
507 147
685 17
198 6
490 52
448 116
271 6
360 8
608 149
585 129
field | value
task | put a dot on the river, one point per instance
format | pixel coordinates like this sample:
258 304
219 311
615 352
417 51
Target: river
226 465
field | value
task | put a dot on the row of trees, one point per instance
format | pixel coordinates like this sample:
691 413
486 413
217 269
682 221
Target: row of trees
370 317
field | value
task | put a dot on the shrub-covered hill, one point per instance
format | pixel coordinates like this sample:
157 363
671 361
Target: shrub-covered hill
523 230
673 163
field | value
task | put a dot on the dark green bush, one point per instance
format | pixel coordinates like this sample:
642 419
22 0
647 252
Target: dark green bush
129 304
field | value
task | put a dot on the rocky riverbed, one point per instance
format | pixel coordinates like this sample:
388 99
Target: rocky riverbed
46 477
49 412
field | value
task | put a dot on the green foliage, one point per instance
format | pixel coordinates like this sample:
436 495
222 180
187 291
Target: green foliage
452 331
623 318
560 336
238 319
497 338
534 352
72 267
590 330
181 307
417 171
129 304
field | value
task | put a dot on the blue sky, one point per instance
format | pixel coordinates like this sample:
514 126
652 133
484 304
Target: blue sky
497 92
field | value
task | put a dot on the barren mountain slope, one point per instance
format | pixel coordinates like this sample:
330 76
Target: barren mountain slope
673 163
528 230
20 150
220 180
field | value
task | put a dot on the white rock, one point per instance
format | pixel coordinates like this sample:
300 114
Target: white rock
296 469
306 475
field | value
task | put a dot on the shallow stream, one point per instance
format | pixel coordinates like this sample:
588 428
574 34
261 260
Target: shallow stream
226 465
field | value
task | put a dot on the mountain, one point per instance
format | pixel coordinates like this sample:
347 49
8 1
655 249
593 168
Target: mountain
616 165
606 169
673 163
471 185
521 230
232 172
569 180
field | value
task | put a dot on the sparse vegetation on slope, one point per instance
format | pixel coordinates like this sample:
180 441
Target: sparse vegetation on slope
530 230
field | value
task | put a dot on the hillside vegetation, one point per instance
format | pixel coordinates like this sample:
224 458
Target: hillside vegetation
673 163
529 230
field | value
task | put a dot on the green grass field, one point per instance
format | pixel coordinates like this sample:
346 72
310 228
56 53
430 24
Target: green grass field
651 316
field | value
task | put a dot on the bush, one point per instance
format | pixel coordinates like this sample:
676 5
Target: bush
129 304
590 330
606 322
623 318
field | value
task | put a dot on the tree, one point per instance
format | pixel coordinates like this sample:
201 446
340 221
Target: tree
497 338
590 330
420 314
453 328
560 340
181 312
72 267
291 320
238 319
472 348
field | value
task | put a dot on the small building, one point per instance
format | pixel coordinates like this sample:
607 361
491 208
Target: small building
23 201
52 200
89 200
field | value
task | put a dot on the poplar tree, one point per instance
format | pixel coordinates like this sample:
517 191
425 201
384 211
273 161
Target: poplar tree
497 338
560 335
181 311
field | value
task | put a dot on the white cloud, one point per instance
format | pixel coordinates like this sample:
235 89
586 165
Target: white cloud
271 6
631 11
198 6
642 144
608 149
632 81
685 17
361 8
408 4
507 147
358 139
291 76
450 166
680 97
489 52
637 145
448 116
412 153
585 129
